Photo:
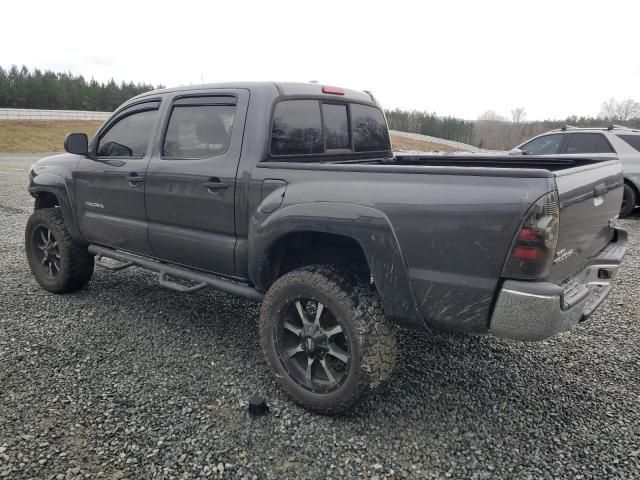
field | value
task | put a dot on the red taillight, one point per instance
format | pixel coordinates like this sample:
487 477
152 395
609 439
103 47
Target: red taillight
534 246
526 253
333 90
528 234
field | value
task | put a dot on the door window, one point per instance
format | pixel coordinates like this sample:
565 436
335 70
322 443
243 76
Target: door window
588 143
129 136
546 145
198 131
632 140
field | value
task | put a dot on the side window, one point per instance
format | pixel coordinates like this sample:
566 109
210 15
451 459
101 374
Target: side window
370 132
129 136
632 140
198 131
588 143
297 128
545 145
336 126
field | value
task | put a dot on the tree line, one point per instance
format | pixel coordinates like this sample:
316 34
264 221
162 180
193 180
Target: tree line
497 132
22 88
426 123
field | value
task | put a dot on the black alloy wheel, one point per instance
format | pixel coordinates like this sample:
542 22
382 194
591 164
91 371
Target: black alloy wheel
313 346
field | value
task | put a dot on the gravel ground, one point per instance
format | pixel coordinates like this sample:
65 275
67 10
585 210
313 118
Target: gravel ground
128 380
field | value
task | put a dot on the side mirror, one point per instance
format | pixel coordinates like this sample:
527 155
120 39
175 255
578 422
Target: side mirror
516 151
77 143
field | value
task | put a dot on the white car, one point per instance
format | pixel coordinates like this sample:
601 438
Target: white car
622 142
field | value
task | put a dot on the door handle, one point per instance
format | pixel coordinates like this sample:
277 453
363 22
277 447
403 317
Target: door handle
599 190
214 184
134 178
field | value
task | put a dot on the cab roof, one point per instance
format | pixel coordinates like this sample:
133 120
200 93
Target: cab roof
281 89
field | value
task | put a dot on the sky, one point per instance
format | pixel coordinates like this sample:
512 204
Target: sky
452 57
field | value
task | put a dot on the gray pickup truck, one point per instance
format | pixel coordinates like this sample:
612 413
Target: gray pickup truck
290 195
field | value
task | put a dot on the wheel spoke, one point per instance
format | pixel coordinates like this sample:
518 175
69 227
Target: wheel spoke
41 247
44 260
50 269
292 328
338 353
292 351
327 371
307 374
57 267
49 238
44 237
319 311
333 331
303 316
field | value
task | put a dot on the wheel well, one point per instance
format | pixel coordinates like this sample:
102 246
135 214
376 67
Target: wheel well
46 200
634 188
300 249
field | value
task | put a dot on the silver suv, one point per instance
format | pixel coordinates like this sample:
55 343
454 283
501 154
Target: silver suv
613 140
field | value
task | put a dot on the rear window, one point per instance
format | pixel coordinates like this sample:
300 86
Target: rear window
632 140
369 129
306 127
336 126
297 128
588 143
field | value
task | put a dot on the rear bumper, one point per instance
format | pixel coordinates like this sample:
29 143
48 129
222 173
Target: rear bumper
532 311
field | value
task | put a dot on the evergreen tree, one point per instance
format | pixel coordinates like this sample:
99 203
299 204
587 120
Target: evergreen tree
20 88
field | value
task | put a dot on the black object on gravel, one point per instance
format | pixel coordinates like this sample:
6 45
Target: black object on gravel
257 406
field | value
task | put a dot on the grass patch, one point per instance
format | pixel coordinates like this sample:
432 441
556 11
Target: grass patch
26 136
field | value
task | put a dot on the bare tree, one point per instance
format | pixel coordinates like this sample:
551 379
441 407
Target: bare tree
628 109
623 111
608 109
491 116
518 114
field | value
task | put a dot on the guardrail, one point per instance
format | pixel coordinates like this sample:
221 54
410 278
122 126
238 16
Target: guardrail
33 114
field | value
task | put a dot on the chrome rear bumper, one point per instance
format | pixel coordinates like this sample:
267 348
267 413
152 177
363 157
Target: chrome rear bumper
532 311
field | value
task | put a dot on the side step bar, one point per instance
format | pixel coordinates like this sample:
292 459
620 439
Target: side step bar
174 271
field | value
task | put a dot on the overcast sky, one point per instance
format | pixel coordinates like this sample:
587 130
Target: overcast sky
555 58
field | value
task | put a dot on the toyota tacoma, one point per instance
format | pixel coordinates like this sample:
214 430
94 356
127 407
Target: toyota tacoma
290 195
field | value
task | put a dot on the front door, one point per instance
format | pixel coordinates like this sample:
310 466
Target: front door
191 180
110 185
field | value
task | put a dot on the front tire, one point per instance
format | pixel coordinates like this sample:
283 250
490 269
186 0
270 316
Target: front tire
59 264
629 201
325 337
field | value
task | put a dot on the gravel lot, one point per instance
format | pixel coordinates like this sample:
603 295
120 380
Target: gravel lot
128 380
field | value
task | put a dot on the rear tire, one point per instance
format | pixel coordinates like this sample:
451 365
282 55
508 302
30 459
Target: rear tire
340 355
629 201
59 264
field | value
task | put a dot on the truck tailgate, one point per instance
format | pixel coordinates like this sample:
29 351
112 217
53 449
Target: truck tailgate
590 198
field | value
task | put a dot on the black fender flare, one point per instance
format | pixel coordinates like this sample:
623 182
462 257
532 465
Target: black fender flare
57 186
369 227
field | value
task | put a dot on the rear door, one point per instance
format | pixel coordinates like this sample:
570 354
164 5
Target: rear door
110 186
191 180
